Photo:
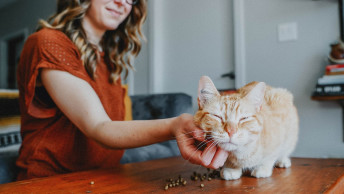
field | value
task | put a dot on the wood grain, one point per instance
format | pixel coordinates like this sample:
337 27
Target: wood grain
305 176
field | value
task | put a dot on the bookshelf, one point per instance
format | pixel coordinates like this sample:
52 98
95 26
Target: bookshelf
339 99
335 88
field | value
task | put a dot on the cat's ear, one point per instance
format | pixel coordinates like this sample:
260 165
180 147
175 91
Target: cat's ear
256 95
206 91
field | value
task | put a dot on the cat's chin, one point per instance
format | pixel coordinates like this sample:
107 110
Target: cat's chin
228 146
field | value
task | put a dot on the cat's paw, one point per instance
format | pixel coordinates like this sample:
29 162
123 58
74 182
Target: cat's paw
283 163
230 173
262 172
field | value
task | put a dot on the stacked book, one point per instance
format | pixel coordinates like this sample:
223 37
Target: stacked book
332 83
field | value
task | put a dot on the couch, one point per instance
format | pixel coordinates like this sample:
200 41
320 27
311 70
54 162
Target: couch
144 107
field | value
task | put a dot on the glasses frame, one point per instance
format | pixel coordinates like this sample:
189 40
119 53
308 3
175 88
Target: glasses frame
133 2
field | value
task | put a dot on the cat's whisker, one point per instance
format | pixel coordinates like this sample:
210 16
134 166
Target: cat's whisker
187 133
198 147
190 139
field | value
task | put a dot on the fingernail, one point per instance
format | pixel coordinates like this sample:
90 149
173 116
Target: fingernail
207 159
208 156
218 164
221 160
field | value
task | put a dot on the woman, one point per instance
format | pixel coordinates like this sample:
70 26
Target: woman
71 97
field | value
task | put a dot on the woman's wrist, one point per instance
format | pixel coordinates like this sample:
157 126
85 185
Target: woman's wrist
173 126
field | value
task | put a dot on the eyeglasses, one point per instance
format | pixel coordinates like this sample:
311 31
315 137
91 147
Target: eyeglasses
132 2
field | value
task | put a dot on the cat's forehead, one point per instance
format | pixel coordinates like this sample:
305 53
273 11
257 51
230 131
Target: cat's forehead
222 104
229 100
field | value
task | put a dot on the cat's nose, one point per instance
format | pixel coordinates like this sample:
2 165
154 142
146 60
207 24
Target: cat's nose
230 129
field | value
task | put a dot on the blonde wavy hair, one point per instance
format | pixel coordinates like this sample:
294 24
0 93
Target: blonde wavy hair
118 45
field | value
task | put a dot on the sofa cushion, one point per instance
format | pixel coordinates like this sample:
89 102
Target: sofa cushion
160 106
157 106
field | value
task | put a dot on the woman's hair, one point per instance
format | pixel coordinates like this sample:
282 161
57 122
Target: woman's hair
118 45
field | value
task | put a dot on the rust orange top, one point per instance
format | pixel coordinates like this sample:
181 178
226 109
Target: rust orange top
52 144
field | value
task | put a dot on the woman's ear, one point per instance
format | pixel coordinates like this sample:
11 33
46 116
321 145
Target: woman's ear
206 91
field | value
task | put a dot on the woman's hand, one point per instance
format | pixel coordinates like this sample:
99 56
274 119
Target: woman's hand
186 134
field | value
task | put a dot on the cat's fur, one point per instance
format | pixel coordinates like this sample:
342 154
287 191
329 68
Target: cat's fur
257 125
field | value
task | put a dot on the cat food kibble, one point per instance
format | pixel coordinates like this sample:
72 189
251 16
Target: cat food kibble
210 175
184 183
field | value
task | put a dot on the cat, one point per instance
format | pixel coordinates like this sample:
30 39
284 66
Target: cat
258 125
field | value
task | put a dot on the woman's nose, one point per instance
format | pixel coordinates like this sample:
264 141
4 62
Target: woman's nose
119 1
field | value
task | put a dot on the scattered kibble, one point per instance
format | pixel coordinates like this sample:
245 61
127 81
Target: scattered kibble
195 176
184 183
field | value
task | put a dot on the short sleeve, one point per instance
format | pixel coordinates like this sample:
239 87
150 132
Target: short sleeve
50 49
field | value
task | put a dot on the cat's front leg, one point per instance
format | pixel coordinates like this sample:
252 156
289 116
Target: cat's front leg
284 162
231 173
263 171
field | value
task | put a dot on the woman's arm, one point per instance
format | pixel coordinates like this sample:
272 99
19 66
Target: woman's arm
79 102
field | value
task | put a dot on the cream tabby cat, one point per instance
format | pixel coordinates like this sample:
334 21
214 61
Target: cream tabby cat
258 126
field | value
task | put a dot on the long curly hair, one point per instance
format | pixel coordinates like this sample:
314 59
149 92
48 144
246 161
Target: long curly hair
119 45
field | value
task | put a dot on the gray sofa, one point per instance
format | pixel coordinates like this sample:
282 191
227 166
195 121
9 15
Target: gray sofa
144 107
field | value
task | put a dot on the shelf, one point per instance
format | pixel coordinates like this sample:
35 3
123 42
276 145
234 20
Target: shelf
326 98
339 99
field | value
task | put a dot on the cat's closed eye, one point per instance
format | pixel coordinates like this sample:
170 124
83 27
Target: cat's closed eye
218 116
243 119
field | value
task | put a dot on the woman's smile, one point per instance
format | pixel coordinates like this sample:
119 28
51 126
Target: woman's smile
114 12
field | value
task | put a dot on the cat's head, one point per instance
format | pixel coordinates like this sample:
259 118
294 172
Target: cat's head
230 120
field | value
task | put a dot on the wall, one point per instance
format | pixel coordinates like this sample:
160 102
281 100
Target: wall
191 38
296 65
24 13
19 16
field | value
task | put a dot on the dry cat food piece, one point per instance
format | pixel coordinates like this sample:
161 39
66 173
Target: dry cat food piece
210 175
175 183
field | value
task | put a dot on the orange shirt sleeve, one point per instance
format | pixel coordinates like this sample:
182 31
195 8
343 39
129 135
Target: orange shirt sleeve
50 49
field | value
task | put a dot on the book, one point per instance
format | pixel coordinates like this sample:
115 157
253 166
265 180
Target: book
331 79
329 90
336 69
334 73
334 66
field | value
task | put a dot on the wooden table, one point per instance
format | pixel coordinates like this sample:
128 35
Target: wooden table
305 176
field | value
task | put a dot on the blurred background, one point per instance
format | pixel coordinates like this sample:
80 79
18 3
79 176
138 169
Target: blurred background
284 43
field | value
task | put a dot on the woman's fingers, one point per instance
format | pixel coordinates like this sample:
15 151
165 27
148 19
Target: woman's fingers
219 158
208 154
214 157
